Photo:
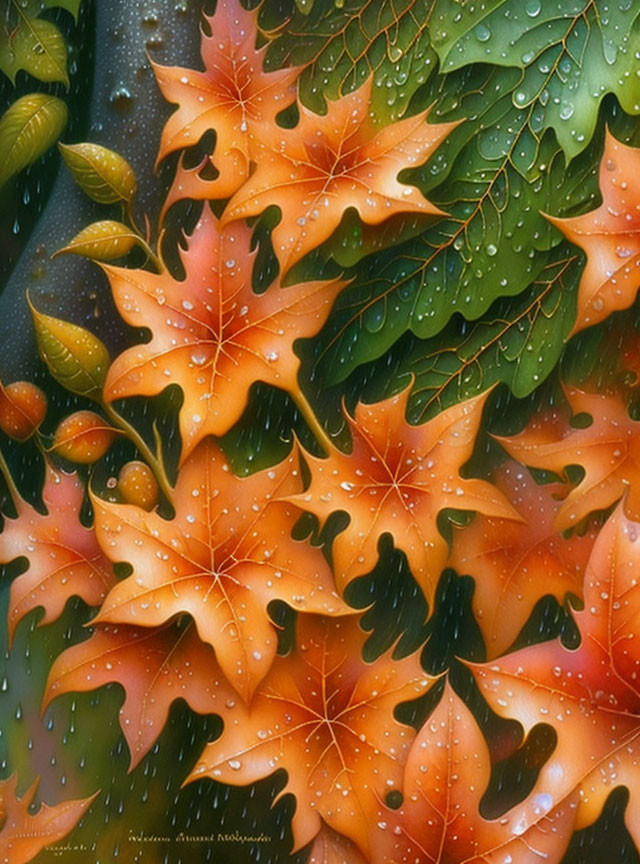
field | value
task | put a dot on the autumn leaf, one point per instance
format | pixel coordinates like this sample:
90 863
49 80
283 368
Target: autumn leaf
591 695
64 557
514 564
447 772
27 129
396 480
327 717
233 96
329 163
211 334
23 835
608 450
154 665
610 235
329 847
223 558
102 174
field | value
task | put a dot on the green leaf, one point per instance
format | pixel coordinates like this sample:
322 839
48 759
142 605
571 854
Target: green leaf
75 357
518 343
37 47
493 176
72 6
28 128
573 52
102 174
341 44
102 241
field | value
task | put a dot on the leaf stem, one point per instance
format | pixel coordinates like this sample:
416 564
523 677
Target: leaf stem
127 211
312 421
8 479
136 438
143 241
151 256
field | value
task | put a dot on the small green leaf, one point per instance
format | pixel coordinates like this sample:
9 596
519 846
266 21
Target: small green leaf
72 6
305 6
37 47
102 174
28 128
75 357
102 241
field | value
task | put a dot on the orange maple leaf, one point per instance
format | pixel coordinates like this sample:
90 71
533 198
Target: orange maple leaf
223 558
514 564
23 835
211 334
446 774
64 557
590 695
608 450
610 235
329 847
396 480
154 665
234 96
329 163
327 717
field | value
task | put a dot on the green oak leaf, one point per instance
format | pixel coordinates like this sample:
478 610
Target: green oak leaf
341 43
28 128
493 176
572 53
518 343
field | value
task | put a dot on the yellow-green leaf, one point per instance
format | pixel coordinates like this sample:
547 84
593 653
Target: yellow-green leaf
102 241
305 6
102 174
75 357
28 128
38 47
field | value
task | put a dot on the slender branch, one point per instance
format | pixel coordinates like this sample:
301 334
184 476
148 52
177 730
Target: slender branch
136 438
127 210
312 421
8 479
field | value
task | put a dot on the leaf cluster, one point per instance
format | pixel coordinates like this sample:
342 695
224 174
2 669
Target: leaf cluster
364 349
